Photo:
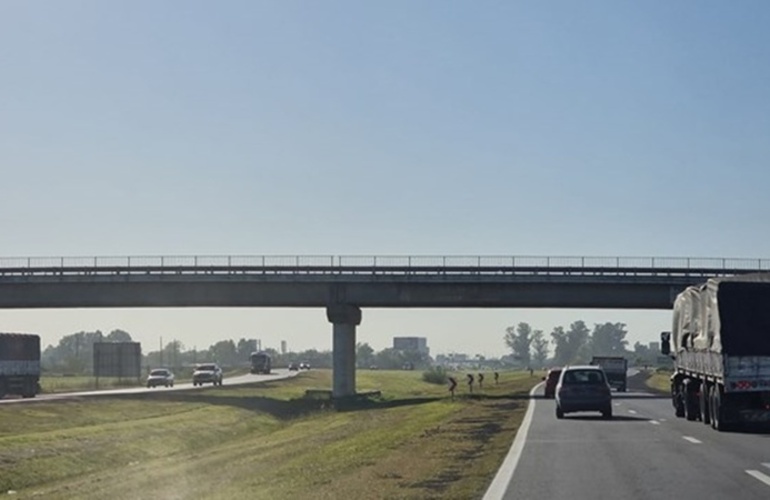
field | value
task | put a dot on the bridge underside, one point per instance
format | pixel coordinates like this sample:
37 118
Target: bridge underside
168 293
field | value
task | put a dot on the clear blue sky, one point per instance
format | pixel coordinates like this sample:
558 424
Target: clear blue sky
435 127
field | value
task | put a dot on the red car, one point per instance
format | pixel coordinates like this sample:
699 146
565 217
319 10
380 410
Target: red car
550 382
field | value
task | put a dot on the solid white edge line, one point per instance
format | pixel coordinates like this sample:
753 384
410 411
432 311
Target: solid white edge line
692 439
502 479
760 476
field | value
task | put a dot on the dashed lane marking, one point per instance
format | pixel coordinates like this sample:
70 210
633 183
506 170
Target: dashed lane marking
633 412
766 464
759 476
654 422
692 439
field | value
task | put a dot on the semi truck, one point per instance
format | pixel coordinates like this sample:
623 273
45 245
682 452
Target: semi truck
615 368
720 344
19 364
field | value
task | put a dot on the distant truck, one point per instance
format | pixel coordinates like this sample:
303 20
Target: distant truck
260 362
615 367
720 343
19 364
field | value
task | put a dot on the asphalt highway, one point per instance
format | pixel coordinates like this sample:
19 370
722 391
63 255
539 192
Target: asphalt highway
178 386
644 452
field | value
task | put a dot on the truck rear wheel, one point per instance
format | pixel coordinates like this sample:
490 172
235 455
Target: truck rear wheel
678 401
717 412
691 405
703 400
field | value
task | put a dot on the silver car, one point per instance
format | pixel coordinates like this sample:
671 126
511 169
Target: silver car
160 376
207 373
583 388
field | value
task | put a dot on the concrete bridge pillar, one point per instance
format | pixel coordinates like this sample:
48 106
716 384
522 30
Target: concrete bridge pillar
344 319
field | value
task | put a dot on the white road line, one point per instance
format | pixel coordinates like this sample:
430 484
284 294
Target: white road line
766 464
617 404
760 476
692 439
502 479
654 422
632 412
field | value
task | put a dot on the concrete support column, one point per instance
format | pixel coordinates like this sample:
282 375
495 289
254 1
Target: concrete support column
344 319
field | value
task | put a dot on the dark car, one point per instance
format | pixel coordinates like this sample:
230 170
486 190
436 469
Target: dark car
583 388
160 376
304 365
207 373
551 379
293 367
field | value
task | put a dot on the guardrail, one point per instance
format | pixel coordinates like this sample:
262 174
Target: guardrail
379 265
392 261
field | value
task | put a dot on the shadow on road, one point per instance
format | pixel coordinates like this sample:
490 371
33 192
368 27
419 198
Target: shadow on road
599 418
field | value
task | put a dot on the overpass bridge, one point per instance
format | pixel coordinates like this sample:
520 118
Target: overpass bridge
345 284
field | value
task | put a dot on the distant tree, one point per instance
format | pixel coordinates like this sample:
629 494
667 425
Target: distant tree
609 339
118 336
571 346
244 348
224 353
540 348
578 337
390 359
519 339
364 355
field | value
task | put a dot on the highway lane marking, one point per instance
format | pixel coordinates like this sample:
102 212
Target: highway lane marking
692 439
504 475
654 422
617 404
766 464
633 412
760 476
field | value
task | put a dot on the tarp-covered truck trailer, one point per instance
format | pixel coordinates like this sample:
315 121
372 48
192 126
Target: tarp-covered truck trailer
19 364
720 342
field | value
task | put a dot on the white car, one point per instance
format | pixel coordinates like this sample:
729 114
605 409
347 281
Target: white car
207 373
160 376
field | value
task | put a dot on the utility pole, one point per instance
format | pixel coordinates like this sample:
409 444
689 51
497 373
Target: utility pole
161 350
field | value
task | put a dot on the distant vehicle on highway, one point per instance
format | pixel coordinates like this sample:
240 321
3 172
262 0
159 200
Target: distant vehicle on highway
261 362
551 379
160 376
207 373
583 388
615 368
294 367
304 365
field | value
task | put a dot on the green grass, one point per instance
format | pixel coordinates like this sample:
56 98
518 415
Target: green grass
265 441
659 381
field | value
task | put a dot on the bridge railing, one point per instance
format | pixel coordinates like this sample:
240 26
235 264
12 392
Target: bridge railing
297 262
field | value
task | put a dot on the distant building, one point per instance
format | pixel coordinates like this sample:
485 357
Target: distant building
283 347
419 344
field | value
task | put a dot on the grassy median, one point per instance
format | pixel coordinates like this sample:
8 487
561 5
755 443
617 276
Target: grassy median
265 441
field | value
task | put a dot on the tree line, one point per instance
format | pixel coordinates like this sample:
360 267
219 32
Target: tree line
575 344
74 354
